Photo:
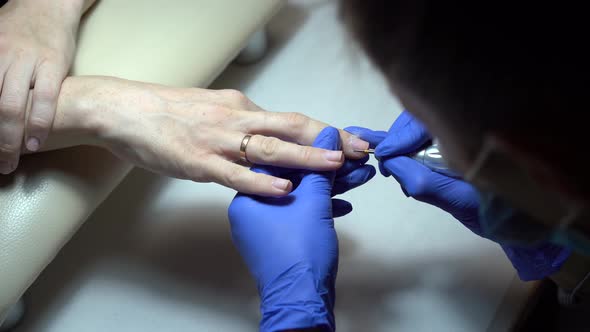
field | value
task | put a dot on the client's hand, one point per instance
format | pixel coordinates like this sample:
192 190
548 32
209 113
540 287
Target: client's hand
196 134
37 45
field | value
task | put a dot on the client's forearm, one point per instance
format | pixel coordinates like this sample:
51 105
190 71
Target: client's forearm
72 125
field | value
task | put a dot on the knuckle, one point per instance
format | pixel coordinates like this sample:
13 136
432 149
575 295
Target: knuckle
55 57
197 169
305 154
5 44
11 108
24 52
220 116
236 97
50 56
232 177
39 123
269 147
229 114
219 112
257 184
8 150
194 173
297 121
45 94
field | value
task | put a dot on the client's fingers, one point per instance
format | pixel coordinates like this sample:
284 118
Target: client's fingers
245 181
45 94
273 151
14 93
296 127
263 150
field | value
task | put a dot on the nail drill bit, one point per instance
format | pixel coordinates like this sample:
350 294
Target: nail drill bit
366 151
429 157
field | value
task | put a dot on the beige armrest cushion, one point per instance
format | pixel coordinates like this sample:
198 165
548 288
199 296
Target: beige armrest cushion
175 42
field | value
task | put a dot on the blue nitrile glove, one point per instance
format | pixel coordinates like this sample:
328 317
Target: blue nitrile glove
408 135
290 244
459 198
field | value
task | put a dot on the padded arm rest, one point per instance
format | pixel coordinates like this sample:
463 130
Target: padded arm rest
175 42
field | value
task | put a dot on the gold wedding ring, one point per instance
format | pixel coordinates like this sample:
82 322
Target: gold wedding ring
243 147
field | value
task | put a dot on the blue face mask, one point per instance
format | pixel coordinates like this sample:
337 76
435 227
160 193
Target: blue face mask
503 223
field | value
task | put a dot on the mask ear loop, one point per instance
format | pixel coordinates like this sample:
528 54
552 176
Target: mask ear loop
569 218
564 297
569 299
488 146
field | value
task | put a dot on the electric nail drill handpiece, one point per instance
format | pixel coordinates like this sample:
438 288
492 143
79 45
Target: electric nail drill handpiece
430 157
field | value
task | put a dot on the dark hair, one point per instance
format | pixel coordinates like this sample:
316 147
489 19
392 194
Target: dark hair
494 66
474 58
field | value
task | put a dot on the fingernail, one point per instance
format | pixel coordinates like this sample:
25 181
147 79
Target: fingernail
358 144
334 156
33 144
281 184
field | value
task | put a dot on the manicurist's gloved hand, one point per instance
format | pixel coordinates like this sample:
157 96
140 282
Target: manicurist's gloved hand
457 197
290 244
408 135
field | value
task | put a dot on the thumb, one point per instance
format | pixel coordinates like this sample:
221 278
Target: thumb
454 196
406 135
329 139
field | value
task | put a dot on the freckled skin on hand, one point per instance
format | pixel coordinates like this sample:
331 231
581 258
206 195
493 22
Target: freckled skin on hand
155 127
